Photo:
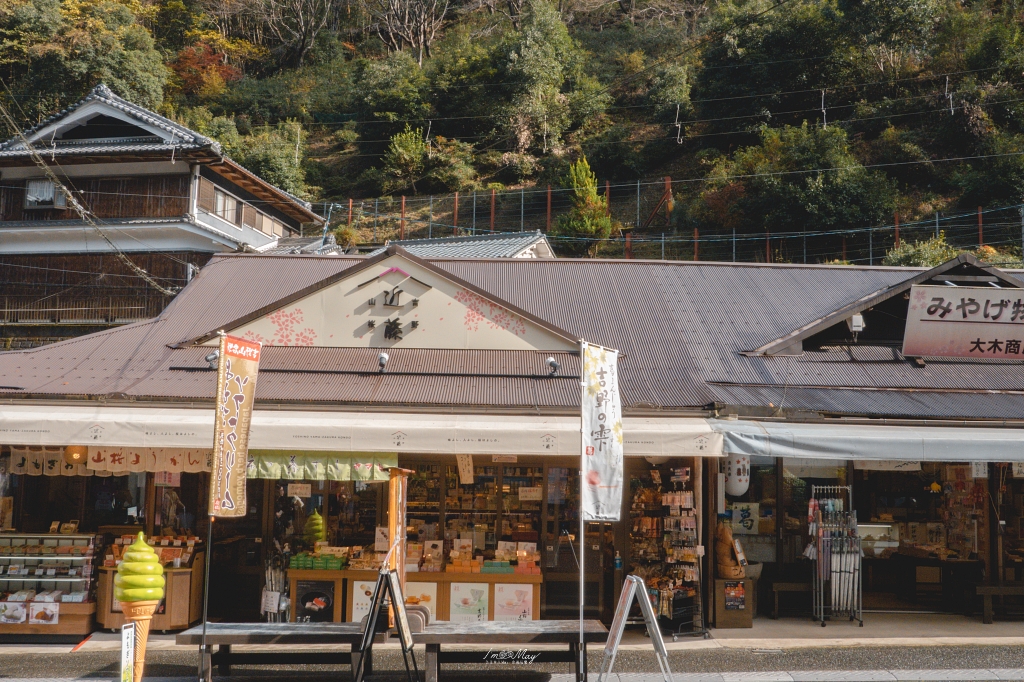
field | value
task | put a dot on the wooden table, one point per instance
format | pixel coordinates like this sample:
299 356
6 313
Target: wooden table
225 635
507 636
1004 589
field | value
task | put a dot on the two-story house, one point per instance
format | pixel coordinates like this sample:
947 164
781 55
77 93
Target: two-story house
159 198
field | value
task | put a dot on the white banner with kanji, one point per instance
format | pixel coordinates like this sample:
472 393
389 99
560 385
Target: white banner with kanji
602 435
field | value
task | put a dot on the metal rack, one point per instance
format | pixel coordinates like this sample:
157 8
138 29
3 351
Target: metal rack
836 552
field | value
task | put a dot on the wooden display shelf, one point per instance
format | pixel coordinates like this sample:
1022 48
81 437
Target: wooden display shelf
183 601
76 618
345 581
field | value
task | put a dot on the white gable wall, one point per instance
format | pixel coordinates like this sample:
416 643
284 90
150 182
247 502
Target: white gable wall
448 316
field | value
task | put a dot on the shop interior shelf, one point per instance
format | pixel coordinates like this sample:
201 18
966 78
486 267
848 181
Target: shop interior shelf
58 557
41 579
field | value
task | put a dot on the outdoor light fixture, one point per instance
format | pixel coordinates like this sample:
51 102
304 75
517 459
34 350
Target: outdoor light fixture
212 359
75 454
553 364
382 360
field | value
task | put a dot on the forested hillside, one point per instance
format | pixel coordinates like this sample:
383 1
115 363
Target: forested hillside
833 118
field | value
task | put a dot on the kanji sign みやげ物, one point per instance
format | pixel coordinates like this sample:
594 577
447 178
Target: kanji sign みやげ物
965 322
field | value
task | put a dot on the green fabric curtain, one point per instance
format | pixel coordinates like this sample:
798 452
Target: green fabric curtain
320 466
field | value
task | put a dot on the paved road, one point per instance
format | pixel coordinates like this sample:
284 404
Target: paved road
714 665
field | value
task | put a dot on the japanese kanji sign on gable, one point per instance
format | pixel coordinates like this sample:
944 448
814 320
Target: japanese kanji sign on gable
236 392
984 323
602 435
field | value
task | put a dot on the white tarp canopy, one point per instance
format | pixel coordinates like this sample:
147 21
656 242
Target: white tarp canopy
306 430
863 442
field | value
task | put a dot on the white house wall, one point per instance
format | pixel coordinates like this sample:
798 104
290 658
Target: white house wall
448 315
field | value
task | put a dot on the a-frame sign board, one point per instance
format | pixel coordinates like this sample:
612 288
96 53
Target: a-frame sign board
387 586
634 587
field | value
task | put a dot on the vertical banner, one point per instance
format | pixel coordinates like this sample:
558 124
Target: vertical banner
602 435
236 391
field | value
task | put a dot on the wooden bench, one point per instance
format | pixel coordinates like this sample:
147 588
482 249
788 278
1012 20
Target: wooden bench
226 635
997 590
507 638
786 587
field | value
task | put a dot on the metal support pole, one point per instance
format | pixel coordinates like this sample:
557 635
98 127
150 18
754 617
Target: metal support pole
936 224
637 223
805 247
583 567
608 197
662 246
734 245
522 209
206 600
696 243
430 220
492 209
455 216
871 246
401 224
375 220
349 212
547 223
981 235
473 228
896 219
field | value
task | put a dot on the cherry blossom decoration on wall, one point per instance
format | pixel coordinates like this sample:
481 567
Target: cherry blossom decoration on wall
286 333
479 309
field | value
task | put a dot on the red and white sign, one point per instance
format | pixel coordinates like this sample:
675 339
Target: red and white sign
965 322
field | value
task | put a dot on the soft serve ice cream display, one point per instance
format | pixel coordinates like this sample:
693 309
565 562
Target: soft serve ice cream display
139 586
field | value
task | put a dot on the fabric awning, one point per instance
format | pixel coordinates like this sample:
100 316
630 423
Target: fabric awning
863 442
304 430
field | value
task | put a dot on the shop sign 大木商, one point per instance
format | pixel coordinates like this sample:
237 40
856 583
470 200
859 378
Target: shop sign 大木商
965 322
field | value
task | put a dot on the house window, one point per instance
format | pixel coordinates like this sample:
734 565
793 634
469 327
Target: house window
43 194
227 207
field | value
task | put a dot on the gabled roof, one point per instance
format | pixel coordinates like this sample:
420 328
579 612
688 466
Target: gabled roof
682 327
963 268
311 245
164 134
500 245
367 264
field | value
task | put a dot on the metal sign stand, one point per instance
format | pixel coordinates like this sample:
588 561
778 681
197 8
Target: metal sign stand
634 585
387 583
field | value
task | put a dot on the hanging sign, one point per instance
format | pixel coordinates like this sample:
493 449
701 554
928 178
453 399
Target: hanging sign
602 434
979 469
965 322
465 463
236 392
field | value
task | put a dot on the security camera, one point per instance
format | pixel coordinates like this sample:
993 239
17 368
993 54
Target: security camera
382 360
212 359
553 364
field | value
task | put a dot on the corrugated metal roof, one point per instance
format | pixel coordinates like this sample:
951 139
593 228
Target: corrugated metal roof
681 327
500 245
314 245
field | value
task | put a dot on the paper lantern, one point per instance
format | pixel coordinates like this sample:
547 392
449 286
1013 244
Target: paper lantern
737 475
76 454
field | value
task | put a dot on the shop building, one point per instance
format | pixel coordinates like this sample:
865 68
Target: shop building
793 373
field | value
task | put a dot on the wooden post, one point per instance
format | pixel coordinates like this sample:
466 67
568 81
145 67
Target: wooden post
608 197
492 209
668 200
455 216
350 212
981 236
398 485
629 245
547 223
896 218
696 244
401 225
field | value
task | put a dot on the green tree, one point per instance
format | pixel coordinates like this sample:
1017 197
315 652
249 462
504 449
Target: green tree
587 222
53 52
406 158
270 153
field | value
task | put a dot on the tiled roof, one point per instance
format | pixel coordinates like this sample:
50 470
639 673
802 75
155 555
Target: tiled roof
183 138
682 327
500 245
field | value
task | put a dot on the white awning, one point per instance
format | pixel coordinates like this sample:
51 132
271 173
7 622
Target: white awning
346 431
863 442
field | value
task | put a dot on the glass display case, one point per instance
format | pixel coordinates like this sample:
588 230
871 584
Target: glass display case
878 537
522 496
423 510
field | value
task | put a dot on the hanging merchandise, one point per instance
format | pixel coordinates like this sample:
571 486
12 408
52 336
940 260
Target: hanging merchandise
836 551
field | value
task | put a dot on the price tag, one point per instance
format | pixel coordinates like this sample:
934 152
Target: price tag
177 543
72 572
165 542
39 571
51 571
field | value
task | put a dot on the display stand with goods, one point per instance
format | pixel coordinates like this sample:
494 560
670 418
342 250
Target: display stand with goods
665 548
139 586
46 585
836 552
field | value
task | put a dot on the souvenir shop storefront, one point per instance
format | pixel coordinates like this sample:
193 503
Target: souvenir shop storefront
491 509
936 510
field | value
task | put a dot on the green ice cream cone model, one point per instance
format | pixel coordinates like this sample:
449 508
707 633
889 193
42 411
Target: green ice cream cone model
139 586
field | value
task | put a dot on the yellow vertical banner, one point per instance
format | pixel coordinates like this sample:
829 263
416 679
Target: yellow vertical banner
236 391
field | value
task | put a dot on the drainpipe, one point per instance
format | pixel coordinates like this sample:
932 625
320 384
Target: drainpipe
193 204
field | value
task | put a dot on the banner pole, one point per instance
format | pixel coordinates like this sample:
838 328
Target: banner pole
583 387
206 600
